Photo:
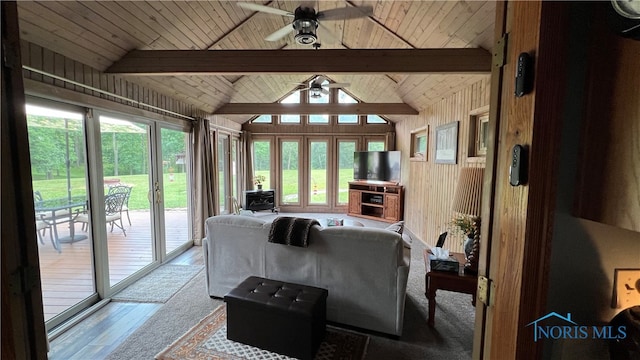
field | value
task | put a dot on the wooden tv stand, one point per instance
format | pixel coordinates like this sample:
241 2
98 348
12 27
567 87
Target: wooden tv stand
376 200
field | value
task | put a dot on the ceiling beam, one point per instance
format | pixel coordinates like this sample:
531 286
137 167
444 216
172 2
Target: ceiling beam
316 109
336 61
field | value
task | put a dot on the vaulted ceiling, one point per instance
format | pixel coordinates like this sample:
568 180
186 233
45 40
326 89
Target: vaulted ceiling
102 33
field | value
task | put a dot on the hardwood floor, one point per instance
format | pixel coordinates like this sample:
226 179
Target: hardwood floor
67 277
97 336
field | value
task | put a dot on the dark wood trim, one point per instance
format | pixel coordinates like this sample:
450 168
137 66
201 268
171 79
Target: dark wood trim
23 331
333 61
316 109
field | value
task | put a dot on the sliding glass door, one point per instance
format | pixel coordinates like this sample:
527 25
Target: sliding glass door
174 201
111 199
126 164
59 179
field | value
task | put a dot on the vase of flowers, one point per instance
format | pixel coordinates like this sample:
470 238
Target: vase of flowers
258 180
466 226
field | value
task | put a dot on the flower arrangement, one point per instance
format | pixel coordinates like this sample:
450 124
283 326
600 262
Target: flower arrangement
258 179
464 225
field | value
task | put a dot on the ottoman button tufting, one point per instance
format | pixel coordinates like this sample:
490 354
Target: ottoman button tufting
276 323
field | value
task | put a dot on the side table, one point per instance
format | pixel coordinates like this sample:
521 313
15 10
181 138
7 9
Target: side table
446 280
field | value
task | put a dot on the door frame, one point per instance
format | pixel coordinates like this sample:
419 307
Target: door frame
519 220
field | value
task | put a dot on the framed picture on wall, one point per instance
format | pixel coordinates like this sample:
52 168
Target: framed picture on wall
447 143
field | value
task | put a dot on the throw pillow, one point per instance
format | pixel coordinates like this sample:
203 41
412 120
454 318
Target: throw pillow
397 227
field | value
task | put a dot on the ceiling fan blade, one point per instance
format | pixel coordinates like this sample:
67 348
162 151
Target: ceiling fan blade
325 35
304 89
345 13
337 85
319 80
264 9
280 33
324 91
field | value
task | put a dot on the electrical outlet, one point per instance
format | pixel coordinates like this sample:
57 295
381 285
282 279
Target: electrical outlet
626 288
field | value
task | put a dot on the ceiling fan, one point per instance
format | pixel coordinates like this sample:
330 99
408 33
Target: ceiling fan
306 20
320 86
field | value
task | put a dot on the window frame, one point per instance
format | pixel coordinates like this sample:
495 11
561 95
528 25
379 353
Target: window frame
478 120
416 135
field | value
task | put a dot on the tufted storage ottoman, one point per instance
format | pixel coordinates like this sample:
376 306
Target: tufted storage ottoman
286 318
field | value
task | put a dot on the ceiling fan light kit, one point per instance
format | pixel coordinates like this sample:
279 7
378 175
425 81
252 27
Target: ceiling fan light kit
316 93
305 24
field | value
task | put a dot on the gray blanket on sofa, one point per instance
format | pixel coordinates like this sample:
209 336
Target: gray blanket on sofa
291 230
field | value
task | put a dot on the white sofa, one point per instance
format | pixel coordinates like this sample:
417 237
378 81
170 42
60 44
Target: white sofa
364 269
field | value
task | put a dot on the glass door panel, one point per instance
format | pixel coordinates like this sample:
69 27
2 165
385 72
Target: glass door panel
375 145
223 172
289 174
346 148
175 185
126 162
318 172
59 175
262 162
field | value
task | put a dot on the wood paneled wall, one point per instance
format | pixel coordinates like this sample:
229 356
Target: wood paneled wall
608 188
430 187
48 61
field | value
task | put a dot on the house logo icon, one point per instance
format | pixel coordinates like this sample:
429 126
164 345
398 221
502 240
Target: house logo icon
572 330
552 314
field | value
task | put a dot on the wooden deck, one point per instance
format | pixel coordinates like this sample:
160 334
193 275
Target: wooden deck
67 277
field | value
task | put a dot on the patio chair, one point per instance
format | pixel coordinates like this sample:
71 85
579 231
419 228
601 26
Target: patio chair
42 224
41 229
113 204
124 189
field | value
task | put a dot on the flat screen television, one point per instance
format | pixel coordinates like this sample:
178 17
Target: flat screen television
376 165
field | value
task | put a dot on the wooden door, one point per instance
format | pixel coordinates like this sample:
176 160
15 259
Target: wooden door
355 197
519 219
392 207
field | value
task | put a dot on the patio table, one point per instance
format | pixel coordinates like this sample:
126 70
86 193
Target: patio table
59 211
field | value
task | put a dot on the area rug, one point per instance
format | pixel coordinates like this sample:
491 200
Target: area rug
159 285
208 341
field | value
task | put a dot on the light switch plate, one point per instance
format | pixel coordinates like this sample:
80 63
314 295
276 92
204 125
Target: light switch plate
626 288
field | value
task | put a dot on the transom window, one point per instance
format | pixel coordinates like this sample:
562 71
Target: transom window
375 119
293 98
344 98
262 119
323 99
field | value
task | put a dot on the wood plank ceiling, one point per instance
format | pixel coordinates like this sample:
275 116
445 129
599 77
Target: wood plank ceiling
99 33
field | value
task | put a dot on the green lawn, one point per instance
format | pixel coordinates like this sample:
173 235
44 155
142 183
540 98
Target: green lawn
318 178
175 192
